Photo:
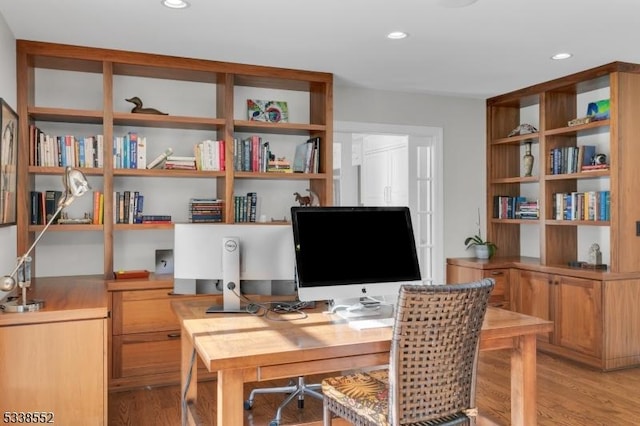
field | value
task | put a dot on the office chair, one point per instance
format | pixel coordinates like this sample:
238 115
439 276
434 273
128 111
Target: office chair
299 390
431 376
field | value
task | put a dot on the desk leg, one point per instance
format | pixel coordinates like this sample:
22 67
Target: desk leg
188 379
523 381
230 397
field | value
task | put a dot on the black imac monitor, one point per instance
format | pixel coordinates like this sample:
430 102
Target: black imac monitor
353 252
227 254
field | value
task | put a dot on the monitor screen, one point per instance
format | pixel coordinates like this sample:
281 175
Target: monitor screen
351 252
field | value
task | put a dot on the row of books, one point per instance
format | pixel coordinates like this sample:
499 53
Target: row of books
130 151
127 207
205 210
251 154
97 214
590 205
307 156
43 205
572 159
245 207
210 155
508 207
64 150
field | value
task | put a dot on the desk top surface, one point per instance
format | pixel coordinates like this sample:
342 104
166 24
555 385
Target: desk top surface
245 340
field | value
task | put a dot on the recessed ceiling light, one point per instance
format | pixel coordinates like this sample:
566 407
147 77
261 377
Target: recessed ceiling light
456 3
397 35
559 56
175 4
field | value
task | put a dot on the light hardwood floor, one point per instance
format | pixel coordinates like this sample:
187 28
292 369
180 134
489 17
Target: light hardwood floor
568 395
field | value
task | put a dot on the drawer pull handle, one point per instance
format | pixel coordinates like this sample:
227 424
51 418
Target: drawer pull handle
173 335
497 273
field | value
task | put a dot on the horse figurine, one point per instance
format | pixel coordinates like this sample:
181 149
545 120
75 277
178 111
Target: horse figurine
303 200
307 200
138 108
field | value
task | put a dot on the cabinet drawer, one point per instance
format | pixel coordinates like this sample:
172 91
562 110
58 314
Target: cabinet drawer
143 311
500 294
143 354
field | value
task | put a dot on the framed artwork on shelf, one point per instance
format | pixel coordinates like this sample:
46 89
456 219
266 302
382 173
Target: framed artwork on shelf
269 111
8 164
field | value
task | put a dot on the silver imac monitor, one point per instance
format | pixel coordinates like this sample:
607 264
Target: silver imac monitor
225 254
353 252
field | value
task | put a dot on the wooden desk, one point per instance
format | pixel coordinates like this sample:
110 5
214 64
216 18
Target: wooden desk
244 348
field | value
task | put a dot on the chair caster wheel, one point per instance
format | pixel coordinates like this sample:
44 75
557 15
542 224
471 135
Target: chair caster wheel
301 403
274 423
247 405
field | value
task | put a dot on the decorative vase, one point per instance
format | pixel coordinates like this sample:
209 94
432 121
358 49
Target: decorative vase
527 160
482 252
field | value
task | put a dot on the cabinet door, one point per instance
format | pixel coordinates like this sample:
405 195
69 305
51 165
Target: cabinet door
534 296
385 176
578 314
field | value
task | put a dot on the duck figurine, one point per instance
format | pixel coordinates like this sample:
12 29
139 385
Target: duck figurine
139 109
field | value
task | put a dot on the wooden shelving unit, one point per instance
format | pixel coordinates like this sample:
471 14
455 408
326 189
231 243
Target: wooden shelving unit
594 312
100 106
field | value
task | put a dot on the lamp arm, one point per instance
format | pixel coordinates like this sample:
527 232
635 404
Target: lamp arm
23 258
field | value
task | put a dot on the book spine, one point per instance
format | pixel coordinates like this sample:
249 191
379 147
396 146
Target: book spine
141 161
35 208
96 207
133 150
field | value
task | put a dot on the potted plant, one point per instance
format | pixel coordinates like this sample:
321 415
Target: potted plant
484 249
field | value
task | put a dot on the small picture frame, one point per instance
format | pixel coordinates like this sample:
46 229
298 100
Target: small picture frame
164 262
8 164
268 111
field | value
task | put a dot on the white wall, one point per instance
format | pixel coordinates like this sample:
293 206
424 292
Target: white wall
463 121
8 93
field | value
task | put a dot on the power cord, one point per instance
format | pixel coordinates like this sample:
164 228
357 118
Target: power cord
274 311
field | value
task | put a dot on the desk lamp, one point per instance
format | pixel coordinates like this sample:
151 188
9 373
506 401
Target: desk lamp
75 185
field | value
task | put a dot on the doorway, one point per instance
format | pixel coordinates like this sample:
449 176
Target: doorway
383 164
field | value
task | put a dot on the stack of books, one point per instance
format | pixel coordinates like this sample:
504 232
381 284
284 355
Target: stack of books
175 162
279 165
205 210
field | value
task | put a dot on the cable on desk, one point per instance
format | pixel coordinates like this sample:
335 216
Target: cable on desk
274 313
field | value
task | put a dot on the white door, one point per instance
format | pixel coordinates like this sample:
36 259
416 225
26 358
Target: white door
416 171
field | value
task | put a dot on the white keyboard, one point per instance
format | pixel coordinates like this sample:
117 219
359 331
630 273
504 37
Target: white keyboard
371 323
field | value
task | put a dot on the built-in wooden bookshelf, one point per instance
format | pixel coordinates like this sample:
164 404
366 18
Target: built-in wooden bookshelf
594 311
91 95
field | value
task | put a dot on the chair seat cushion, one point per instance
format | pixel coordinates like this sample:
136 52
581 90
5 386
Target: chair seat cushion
365 393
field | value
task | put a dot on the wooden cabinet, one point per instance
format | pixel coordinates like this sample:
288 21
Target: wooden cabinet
460 271
593 311
55 360
74 90
145 346
595 315
573 304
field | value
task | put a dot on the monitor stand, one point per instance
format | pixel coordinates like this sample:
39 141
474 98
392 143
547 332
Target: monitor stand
362 309
230 279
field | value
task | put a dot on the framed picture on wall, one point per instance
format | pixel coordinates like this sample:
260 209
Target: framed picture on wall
8 164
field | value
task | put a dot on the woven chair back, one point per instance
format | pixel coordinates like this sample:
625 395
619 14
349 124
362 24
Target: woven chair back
434 350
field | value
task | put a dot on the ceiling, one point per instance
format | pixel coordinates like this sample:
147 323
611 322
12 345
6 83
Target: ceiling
488 48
